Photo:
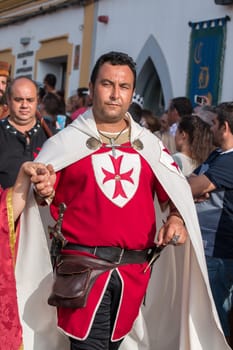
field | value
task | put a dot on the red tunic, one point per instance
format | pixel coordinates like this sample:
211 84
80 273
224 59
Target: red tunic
10 327
110 202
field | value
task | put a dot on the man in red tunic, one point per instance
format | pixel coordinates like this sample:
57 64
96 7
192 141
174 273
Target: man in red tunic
110 203
109 170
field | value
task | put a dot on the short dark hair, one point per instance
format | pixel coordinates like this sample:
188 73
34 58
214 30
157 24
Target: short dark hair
224 113
114 58
50 79
183 105
200 137
52 104
136 111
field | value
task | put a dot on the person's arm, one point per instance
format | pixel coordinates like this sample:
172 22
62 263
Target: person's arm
31 172
200 185
173 228
20 191
43 181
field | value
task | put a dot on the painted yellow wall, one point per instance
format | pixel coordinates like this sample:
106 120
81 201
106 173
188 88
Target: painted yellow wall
87 45
56 47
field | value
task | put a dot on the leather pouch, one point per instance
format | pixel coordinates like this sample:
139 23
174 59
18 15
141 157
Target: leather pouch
74 276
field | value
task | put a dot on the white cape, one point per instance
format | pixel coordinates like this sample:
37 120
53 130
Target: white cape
179 314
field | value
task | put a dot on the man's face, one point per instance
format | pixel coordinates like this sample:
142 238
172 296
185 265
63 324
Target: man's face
3 85
164 122
217 131
172 115
23 102
112 93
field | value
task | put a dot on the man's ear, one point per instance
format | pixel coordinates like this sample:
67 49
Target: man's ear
225 127
91 88
8 99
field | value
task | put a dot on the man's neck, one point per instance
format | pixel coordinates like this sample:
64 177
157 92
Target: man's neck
22 127
112 127
227 143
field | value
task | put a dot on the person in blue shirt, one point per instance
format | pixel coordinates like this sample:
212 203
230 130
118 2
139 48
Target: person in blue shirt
212 189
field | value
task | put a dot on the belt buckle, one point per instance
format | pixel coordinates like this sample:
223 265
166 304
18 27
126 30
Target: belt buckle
120 256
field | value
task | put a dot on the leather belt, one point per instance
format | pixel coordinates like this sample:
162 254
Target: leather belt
115 255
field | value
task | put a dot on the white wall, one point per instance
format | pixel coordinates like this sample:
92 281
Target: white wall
131 23
68 21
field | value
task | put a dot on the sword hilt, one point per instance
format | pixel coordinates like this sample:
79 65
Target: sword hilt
55 231
62 209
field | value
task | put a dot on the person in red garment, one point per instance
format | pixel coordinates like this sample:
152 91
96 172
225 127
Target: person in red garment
12 203
108 172
118 179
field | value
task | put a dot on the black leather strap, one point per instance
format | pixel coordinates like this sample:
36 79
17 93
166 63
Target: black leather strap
114 254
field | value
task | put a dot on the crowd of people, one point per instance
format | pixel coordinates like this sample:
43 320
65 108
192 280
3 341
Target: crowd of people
118 187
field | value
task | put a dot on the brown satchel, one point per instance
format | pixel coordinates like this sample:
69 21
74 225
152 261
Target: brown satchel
74 276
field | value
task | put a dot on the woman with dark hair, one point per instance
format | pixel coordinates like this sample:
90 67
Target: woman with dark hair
193 142
83 102
51 109
149 120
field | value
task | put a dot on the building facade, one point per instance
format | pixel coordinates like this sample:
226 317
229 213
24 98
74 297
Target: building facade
166 38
